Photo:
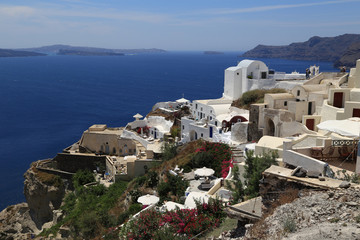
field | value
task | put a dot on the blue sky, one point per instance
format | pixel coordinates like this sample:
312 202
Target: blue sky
223 25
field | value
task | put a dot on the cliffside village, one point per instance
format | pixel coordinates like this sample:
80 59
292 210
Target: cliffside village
314 126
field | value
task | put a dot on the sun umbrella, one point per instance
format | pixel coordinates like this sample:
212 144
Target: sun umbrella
148 199
205 172
137 116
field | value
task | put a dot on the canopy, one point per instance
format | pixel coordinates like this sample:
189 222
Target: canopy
205 172
349 127
148 199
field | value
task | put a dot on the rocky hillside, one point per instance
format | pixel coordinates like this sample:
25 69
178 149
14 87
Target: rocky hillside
44 193
334 214
316 48
350 56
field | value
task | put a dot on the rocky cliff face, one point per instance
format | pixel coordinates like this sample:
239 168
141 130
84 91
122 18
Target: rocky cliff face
316 48
350 56
44 193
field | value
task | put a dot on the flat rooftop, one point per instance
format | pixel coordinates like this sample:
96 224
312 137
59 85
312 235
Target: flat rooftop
314 182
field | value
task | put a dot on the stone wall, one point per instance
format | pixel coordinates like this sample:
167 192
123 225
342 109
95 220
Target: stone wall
73 162
254 133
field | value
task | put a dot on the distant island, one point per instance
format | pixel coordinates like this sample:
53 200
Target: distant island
212 52
87 53
55 49
13 53
342 50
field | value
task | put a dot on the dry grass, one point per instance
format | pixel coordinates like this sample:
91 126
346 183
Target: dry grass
47 178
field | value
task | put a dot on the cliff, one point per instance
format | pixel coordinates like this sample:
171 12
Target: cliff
316 48
13 53
350 56
44 193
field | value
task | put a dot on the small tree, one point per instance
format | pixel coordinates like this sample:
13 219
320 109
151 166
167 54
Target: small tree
254 166
168 151
82 177
236 187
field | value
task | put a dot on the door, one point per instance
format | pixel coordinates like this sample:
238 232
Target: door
310 108
310 124
356 112
338 99
155 134
211 132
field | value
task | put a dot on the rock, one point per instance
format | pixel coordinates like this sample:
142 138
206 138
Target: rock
354 204
344 184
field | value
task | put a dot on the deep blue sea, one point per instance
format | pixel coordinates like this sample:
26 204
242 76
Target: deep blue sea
47 102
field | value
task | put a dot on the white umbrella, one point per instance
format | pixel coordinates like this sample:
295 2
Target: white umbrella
205 172
148 199
137 116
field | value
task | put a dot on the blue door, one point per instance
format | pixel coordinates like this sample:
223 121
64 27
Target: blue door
211 132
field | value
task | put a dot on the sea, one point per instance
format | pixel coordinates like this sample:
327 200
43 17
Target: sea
47 102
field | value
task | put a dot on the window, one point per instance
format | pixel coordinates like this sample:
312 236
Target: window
285 103
195 106
152 132
114 151
298 93
201 109
202 135
183 127
130 150
237 73
215 123
210 118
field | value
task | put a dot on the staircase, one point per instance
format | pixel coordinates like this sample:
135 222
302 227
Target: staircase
237 154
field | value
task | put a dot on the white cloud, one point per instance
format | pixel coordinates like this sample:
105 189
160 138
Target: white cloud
16 11
271 8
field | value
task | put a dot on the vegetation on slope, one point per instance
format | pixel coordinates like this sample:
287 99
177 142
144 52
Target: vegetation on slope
86 210
254 96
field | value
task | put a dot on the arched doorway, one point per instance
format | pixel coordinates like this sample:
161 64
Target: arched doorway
193 135
270 127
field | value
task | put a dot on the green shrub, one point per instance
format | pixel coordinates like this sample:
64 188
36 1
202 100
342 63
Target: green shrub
254 166
289 224
237 187
135 194
173 185
83 177
152 179
140 181
168 151
254 96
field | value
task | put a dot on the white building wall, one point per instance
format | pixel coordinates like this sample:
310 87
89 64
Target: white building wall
233 87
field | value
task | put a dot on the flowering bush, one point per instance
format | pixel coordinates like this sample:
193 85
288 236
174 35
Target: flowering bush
217 156
182 223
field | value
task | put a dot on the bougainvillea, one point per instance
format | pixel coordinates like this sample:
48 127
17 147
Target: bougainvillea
218 157
182 222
